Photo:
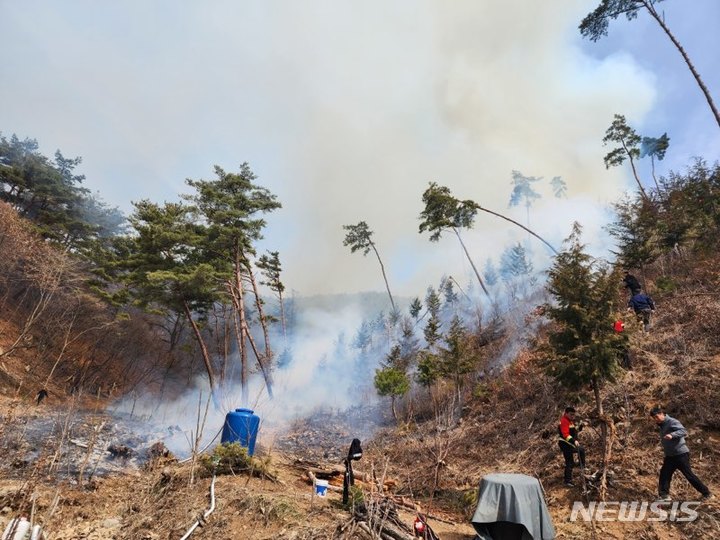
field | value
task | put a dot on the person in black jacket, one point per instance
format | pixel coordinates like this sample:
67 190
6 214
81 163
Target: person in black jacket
631 283
643 306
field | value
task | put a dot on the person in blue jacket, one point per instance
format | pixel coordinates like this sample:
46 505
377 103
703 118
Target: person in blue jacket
643 306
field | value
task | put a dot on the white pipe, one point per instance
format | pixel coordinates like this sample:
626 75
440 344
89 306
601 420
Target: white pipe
201 451
20 527
37 533
207 512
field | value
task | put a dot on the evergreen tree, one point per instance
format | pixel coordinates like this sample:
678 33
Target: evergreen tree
415 308
432 328
523 191
392 382
629 147
359 237
231 206
583 347
450 297
444 212
559 187
489 273
459 358
655 148
161 271
271 268
514 263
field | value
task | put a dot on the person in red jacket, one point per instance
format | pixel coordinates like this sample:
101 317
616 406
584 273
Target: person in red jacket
569 444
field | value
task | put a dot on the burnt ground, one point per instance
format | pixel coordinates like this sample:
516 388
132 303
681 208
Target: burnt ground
64 476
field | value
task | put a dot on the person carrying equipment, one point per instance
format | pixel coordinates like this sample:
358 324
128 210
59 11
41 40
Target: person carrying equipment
569 444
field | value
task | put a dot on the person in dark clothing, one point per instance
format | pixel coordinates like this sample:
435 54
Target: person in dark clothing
42 394
569 444
677 455
632 284
643 306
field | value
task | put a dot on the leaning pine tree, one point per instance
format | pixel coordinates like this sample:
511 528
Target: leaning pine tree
582 347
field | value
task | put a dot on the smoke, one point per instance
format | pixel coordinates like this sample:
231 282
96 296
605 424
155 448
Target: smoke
322 373
346 111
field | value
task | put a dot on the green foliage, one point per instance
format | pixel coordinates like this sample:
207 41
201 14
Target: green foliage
514 263
481 392
627 139
559 187
162 265
432 327
356 498
231 458
522 189
687 213
459 357
583 348
271 268
595 24
450 297
428 369
635 232
665 284
231 206
654 147
390 381
490 273
50 194
415 308
358 237
393 382
443 211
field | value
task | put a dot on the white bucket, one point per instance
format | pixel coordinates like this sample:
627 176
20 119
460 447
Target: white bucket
321 487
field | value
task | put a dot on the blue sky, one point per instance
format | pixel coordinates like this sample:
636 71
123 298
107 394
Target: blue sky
347 110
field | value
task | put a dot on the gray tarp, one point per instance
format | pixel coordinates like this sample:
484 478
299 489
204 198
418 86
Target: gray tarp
512 507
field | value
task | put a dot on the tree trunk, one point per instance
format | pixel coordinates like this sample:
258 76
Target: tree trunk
634 171
382 269
652 165
519 225
261 314
690 65
205 355
282 318
244 368
477 274
606 442
265 369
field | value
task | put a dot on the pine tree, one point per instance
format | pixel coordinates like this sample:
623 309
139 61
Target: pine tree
458 358
523 191
432 328
393 382
359 238
628 142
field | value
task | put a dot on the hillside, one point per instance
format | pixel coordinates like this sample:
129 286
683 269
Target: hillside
59 467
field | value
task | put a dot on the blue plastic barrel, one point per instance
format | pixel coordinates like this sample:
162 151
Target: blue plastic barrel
241 426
